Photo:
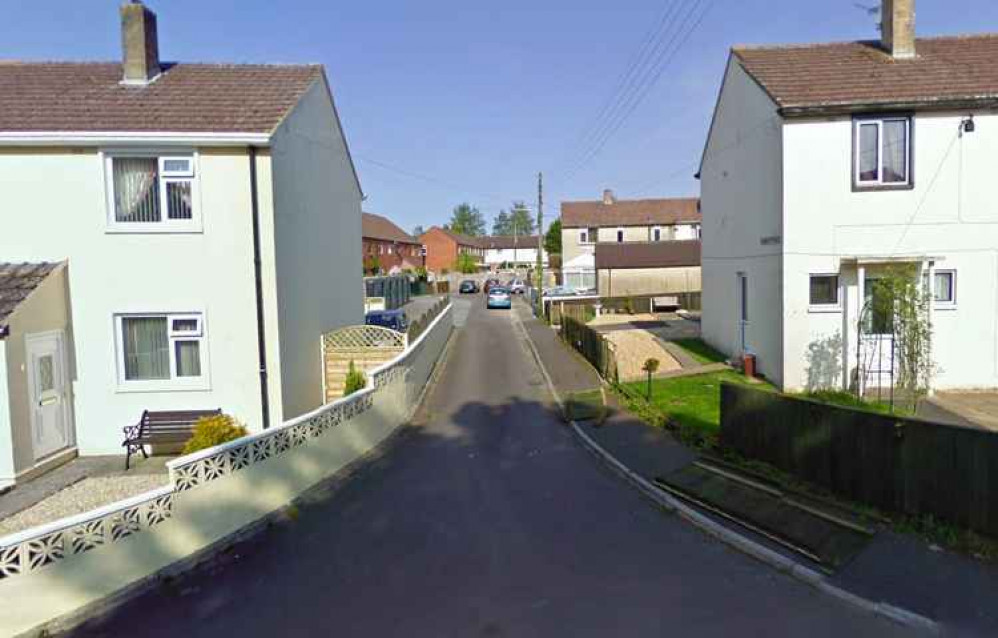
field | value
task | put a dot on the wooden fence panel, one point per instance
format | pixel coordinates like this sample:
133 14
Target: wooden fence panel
898 464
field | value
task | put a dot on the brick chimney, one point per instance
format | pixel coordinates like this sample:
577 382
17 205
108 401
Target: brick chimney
139 43
897 28
608 197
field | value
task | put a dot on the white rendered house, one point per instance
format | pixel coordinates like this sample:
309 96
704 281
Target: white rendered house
509 251
195 231
828 165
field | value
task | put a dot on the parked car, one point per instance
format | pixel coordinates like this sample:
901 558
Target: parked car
517 286
498 297
468 286
489 283
394 319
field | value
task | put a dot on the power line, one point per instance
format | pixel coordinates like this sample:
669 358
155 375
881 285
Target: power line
648 79
653 39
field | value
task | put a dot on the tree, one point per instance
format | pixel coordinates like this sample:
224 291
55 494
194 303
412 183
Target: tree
467 220
520 220
418 230
465 264
552 239
372 265
500 225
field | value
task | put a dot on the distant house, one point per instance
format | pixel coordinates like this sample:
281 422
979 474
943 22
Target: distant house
176 236
443 247
643 231
388 246
668 270
828 166
512 251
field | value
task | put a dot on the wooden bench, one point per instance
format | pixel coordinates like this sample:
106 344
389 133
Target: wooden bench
161 428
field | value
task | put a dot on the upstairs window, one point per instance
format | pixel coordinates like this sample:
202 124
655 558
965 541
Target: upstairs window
882 148
620 235
656 234
152 193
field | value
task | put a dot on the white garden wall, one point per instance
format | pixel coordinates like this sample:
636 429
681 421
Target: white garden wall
57 570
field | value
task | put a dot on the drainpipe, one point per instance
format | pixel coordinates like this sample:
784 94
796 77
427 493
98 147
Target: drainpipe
261 339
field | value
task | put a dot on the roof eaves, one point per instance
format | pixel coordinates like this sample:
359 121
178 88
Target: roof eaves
924 104
125 138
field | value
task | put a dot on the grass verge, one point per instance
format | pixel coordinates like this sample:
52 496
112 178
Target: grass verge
690 405
700 351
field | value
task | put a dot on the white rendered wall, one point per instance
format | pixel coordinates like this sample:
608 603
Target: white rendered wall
742 205
209 271
317 243
952 213
7 471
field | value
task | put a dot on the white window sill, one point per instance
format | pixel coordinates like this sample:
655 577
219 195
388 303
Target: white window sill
149 387
944 307
818 310
151 229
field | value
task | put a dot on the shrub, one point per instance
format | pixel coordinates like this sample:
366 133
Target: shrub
210 431
355 380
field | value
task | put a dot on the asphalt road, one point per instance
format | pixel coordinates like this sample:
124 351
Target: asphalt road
486 518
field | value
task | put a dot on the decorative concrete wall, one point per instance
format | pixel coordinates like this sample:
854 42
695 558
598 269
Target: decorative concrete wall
58 569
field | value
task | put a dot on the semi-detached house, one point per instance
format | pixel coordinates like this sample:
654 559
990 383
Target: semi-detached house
828 166
631 247
175 236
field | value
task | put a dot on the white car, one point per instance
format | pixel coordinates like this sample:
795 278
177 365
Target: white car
517 286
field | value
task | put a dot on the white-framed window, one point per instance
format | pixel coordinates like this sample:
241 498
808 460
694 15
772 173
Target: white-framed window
823 292
583 236
620 235
882 152
943 289
152 192
656 233
161 351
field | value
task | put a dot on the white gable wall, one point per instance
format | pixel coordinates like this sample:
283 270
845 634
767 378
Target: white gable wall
316 242
741 201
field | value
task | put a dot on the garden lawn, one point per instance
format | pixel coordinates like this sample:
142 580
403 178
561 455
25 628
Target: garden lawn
700 351
694 402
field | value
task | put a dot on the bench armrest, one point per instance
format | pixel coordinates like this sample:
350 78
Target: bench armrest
132 431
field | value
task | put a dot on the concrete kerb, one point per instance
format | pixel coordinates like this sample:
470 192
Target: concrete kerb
724 534
66 624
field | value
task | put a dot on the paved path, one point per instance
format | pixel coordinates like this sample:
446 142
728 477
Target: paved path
486 519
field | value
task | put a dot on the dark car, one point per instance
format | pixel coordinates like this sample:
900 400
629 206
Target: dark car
394 319
490 283
468 286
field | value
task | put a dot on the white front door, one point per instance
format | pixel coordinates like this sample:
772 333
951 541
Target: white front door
50 414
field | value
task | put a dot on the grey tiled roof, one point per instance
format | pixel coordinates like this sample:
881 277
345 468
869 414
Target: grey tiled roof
17 282
89 96
946 70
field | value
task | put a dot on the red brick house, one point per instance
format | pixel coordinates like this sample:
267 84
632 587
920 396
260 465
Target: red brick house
388 246
443 247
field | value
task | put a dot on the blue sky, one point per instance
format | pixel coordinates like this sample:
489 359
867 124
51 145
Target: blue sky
445 101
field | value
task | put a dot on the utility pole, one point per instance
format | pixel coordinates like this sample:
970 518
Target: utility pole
540 244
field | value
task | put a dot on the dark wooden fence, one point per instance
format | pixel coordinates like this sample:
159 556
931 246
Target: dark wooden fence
591 345
897 464
421 323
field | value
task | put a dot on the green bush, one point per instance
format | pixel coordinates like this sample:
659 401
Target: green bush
355 380
210 431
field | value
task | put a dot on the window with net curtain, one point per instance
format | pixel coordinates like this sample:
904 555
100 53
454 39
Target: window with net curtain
883 149
149 342
144 187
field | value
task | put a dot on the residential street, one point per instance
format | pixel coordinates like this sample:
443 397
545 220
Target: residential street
486 518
